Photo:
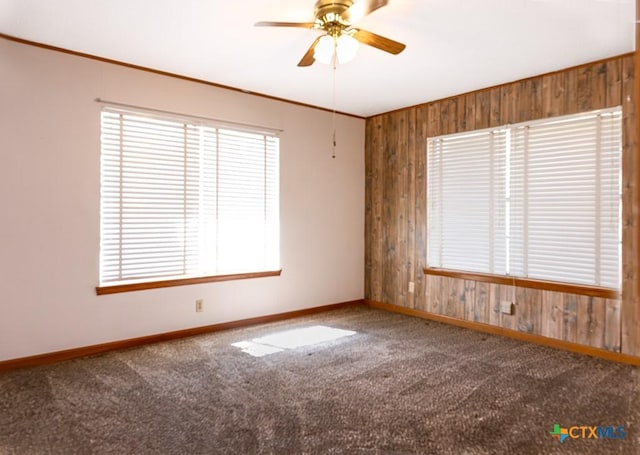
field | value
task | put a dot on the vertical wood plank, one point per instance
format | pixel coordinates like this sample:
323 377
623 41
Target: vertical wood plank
494 304
461 113
450 123
591 316
570 93
612 325
420 244
508 294
444 117
529 310
570 318
528 100
469 113
402 199
592 87
495 118
630 311
482 109
450 296
482 303
469 299
461 299
508 101
553 94
433 119
368 217
374 263
390 214
410 211
552 314
613 96
632 303
434 294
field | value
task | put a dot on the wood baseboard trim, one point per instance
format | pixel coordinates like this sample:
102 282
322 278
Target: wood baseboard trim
69 354
522 336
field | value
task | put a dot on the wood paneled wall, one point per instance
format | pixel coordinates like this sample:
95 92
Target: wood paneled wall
395 249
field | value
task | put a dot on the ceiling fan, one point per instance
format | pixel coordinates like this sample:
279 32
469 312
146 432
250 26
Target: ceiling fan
336 19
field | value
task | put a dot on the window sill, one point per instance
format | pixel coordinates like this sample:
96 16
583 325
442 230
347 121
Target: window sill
102 290
592 291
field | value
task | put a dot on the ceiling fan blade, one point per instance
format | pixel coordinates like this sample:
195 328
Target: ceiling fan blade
380 42
285 24
308 58
361 8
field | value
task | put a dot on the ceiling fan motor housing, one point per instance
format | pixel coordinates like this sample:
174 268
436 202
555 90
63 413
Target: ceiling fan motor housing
329 15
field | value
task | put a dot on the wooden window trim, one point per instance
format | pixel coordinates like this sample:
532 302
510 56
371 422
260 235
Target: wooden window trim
115 289
592 291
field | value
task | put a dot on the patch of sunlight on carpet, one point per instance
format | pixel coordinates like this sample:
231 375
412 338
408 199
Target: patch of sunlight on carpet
291 339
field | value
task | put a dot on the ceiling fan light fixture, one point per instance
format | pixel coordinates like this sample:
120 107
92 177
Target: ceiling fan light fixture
346 48
324 49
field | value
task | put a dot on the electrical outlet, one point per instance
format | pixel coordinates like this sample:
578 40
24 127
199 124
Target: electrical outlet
507 307
412 286
199 306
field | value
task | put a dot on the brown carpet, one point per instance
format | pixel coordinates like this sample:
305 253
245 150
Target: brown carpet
398 385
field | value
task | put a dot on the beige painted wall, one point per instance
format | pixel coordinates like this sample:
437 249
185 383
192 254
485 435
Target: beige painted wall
49 205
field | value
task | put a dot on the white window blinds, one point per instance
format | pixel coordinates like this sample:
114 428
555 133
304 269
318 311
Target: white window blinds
182 199
538 200
466 194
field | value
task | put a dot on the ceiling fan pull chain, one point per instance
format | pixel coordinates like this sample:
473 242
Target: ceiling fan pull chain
333 155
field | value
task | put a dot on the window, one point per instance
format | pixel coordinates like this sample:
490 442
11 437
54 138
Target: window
182 198
538 200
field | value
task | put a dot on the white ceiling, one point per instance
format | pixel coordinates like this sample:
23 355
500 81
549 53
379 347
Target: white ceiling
453 46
